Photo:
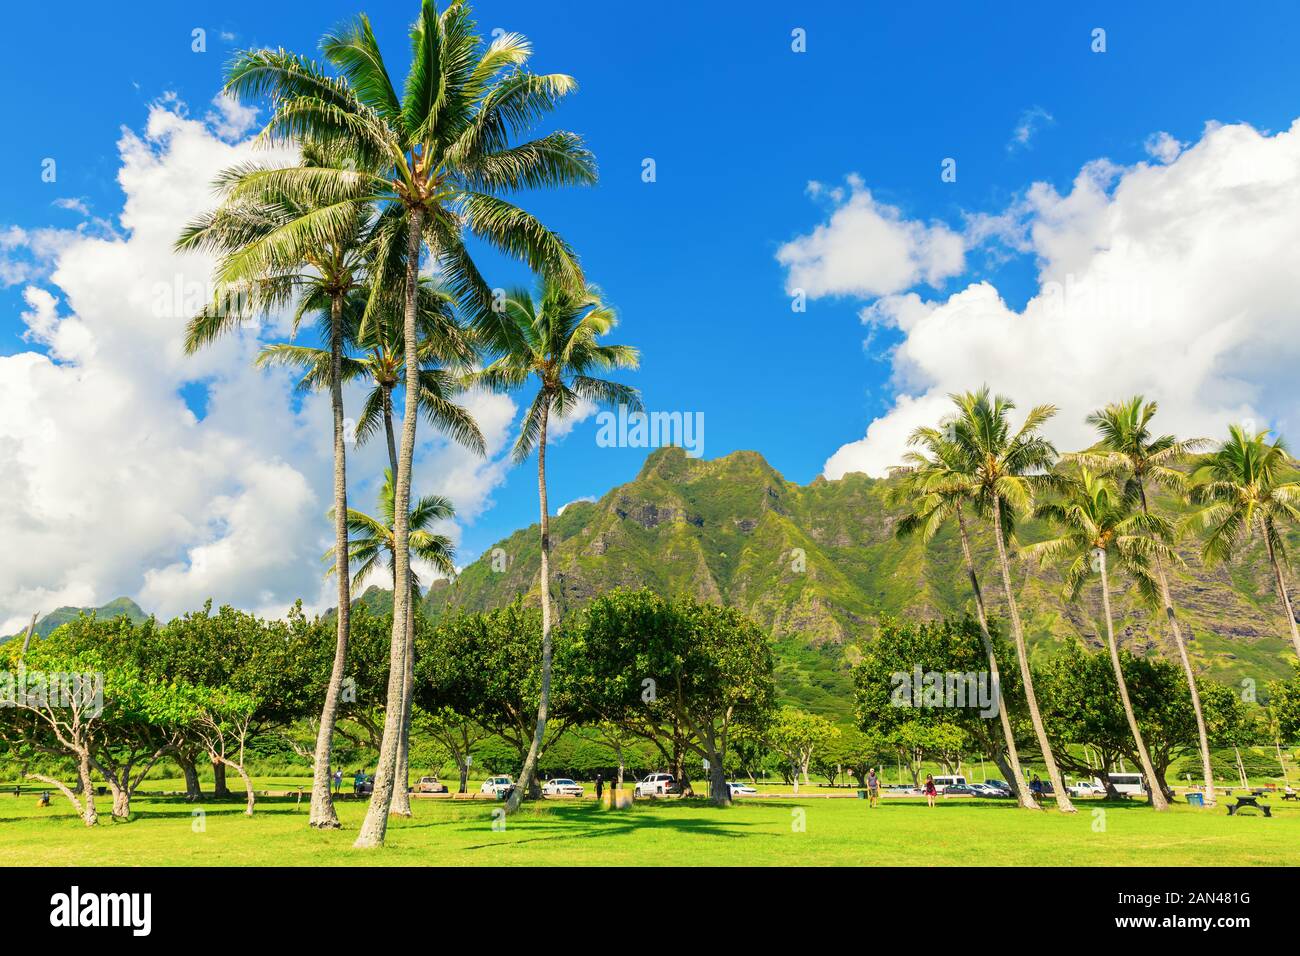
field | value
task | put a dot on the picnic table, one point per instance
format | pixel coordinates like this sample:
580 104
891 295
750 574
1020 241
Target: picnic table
1253 801
1290 795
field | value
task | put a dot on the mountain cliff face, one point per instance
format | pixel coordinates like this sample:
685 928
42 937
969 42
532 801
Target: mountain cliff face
819 564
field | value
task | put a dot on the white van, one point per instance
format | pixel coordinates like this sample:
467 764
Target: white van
941 784
1127 784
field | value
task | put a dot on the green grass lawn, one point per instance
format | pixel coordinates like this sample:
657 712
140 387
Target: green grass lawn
754 832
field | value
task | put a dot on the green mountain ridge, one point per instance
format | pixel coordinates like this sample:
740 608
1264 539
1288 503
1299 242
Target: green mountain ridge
45 626
818 565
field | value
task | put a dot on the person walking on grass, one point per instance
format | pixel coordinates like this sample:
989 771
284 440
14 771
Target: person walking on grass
600 785
873 788
338 781
930 790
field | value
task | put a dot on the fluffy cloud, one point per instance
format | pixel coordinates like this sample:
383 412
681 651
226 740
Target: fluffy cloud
866 249
1178 281
112 485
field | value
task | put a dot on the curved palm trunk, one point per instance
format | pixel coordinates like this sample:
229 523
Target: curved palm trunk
1018 633
1008 737
1281 588
375 826
1158 801
322 804
1185 659
544 700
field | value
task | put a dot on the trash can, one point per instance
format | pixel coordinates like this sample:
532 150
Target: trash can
1196 799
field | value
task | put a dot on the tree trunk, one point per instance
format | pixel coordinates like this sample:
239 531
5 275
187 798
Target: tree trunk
27 638
1018 789
91 815
1281 589
193 789
464 777
402 785
219 788
375 826
1018 633
401 793
1185 659
1023 796
719 792
121 800
544 699
1158 801
322 803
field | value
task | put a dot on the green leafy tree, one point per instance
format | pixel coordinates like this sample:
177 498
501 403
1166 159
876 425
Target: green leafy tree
681 675
798 736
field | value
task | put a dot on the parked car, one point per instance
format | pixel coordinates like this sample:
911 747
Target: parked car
656 785
987 789
1086 788
561 787
741 789
959 790
497 785
430 785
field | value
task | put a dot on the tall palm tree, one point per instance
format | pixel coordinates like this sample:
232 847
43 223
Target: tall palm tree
1099 524
447 351
554 340
1244 491
1009 467
437 159
939 485
265 258
1128 446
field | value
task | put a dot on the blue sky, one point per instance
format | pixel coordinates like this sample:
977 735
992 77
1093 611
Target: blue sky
738 124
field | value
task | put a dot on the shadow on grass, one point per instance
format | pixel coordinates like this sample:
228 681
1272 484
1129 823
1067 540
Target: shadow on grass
587 822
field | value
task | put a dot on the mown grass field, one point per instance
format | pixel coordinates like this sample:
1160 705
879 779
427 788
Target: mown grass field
755 832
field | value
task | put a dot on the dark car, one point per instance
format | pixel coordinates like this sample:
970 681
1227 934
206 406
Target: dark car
960 790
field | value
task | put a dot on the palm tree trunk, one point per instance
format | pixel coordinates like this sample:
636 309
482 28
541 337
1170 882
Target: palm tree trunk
1156 788
1172 620
375 826
401 795
1018 633
1281 587
1008 736
544 699
322 804
402 792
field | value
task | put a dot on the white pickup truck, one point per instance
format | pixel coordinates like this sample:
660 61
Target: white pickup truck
656 785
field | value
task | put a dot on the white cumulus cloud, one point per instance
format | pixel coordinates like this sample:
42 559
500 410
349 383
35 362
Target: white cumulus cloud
112 484
1178 281
867 248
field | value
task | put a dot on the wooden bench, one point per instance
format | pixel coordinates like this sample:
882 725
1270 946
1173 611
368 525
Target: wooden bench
1243 802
